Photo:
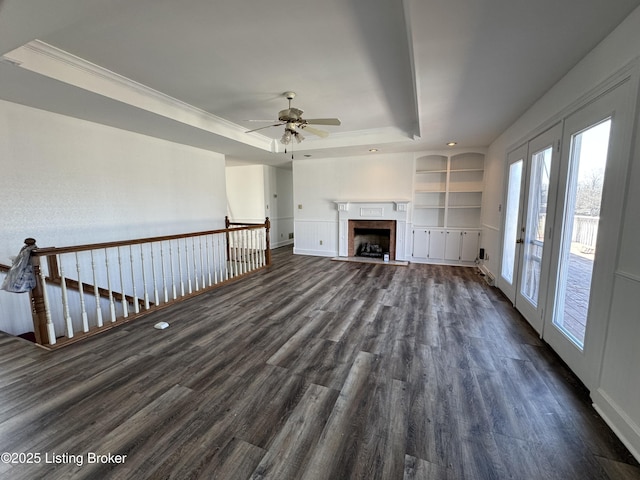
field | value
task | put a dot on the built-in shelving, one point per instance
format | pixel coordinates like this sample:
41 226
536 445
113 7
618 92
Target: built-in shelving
447 206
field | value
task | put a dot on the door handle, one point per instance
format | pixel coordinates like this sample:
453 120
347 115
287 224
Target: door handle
519 240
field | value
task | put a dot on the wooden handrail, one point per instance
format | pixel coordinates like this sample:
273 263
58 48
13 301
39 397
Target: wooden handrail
206 258
4 268
123 243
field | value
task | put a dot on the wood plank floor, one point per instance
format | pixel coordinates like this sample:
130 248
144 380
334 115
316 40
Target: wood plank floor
312 369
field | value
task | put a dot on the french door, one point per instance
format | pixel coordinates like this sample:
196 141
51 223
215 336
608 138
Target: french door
590 202
527 224
562 217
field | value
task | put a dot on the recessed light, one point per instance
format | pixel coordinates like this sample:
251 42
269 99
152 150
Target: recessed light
307 155
372 150
452 144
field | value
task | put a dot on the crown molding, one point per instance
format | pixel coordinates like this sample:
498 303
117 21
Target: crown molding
50 61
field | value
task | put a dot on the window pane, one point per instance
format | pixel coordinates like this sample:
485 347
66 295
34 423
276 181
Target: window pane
536 220
511 221
587 163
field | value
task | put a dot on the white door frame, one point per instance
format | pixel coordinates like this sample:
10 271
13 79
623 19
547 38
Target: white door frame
616 103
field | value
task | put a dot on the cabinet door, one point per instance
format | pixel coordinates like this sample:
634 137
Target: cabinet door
470 246
420 243
436 244
452 248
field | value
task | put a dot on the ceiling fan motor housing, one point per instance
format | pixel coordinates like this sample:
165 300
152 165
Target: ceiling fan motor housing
290 114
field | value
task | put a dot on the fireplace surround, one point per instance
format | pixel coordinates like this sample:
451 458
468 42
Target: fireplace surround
375 215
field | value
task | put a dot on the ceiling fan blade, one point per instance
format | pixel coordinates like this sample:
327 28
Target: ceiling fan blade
323 121
261 128
315 131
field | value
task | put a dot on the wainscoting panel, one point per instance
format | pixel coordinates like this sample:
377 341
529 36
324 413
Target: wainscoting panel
617 396
316 237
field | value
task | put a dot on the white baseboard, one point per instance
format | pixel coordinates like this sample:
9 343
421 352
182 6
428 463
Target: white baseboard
281 243
624 427
315 253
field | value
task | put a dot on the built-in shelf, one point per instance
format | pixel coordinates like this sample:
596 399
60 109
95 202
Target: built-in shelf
447 206
446 184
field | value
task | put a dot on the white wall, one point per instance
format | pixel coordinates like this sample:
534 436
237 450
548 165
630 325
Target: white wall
279 201
65 181
246 193
258 191
317 183
617 392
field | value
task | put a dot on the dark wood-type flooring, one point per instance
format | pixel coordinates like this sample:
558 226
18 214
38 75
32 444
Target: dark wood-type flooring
312 369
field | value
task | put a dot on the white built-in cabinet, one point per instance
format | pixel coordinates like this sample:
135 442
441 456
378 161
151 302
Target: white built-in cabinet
446 208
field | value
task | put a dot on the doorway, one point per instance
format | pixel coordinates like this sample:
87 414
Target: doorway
530 193
563 214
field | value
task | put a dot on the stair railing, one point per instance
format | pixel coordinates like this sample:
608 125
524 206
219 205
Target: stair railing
83 290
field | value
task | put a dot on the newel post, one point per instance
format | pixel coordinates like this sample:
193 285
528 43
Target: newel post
267 227
38 309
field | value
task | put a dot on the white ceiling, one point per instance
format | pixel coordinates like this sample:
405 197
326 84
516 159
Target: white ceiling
401 75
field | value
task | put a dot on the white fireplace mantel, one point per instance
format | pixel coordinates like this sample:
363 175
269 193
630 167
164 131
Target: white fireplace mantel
372 210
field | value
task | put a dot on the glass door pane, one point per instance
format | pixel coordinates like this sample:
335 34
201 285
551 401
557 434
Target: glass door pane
538 197
587 161
511 229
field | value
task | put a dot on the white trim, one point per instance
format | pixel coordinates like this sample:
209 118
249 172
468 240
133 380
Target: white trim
628 276
618 77
47 60
283 243
315 253
624 427
490 227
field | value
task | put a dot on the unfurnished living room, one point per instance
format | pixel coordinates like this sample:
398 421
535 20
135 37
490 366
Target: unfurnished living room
320 240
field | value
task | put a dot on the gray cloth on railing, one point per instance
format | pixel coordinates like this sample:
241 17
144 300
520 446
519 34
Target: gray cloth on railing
20 278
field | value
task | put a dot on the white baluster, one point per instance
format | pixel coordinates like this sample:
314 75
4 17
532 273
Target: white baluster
144 279
83 308
186 261
256 239
180 270
125 303
252 250
112 305
195 263
263 247
208 252
236 253
156 298
164 276
96 292
202 266
51 331
65 300
240 251
230 250
224 261
173 279
136 302
214 248
247 236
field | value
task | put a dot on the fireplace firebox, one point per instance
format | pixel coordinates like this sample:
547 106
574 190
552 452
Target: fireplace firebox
372 238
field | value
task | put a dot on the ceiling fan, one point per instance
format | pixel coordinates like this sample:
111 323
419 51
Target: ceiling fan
292 119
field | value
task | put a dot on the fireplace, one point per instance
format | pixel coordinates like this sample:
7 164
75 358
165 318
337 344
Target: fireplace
389 215
372 238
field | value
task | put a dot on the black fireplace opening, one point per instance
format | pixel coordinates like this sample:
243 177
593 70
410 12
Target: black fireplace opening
371 242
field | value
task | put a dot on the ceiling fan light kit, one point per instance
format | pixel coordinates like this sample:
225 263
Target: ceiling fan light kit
292 119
